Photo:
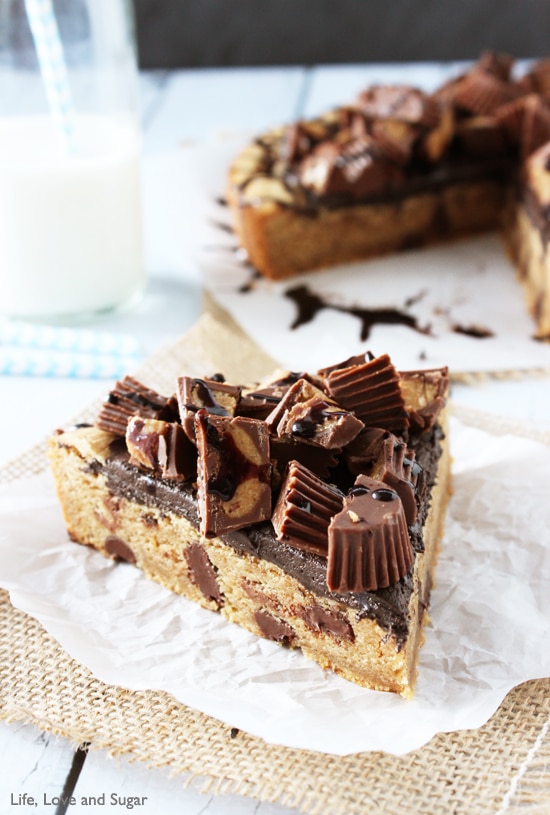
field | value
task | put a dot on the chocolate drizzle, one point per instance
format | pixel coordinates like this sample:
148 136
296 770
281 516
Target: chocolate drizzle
477 332
309 304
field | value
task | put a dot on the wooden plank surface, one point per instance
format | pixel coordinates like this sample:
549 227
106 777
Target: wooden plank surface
110 780
33 764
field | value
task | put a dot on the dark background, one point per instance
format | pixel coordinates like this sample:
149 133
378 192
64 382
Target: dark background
207 33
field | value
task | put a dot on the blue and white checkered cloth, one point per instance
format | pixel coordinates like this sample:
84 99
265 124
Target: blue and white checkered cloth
40 350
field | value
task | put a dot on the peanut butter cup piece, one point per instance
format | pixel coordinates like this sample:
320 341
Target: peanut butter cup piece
385 457
214 395
399 102
306 412
396 139
295 143
511 116
128 398
304 509
527 122
369 546
425 393
119 550
354 170
371 391
162 447
438 139
538 78
482 135
234 472
258 402
328 621
357 359
397 467
365 450
320 460
481 93
497 63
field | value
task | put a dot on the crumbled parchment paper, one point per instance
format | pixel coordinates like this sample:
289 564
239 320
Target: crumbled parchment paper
490 616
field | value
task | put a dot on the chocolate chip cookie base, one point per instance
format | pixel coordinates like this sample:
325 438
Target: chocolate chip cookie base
371 639
281 241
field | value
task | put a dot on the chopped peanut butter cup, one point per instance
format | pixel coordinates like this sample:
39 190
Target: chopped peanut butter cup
482 93
356 169
234 472
399 102
161 446
211 394
306 412
483 135
371 391
365 451
425 393
396 139
320 460
383 456
538 78
258 402
130 398
511 117
497 63
304 509
527 122
369 546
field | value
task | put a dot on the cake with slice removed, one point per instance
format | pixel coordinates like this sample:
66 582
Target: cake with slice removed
398 168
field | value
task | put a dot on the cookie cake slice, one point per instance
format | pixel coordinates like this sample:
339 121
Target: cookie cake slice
307 508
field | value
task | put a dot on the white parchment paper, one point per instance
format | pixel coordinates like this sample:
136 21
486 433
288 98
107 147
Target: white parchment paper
490 616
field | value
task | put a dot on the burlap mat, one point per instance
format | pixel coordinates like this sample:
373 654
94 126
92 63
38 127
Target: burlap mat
504 767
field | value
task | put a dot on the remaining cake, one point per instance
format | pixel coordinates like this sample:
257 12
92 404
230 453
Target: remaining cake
399 168
308 508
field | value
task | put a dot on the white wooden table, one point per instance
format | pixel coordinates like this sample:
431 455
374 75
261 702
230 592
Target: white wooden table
186 106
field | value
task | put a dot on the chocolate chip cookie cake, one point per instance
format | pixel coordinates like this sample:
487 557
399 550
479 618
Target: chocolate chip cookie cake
399 168
307 508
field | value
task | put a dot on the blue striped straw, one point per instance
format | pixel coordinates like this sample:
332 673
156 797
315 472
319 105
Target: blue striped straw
49 50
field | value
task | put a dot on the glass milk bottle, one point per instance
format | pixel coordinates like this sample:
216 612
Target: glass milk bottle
70 211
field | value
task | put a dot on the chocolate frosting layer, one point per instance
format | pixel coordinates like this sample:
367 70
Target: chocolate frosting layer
388 606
